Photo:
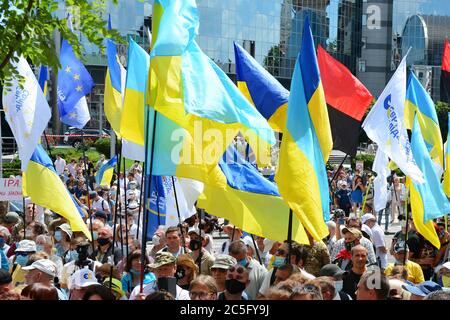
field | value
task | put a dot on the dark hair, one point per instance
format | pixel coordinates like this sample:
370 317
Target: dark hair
40 291
38 228
136 254
299 252
173 229
160 295
9 295
102 291
286 267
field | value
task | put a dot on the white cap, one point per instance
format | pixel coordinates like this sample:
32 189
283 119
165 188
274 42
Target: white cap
26 246
82 278
45 265
368 216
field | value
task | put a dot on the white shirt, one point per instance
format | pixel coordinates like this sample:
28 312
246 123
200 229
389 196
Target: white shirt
209 246
60 164
152 287
71 168
378 241
101 205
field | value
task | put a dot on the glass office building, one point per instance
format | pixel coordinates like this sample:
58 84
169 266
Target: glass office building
422 25
271 30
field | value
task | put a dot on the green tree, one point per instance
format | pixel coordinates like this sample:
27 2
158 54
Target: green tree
272 60
27 28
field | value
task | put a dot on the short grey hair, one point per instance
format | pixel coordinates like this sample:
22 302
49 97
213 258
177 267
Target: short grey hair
438 295
237 247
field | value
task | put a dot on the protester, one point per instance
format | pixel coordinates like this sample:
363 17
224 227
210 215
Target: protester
235 284
414 271
219 269
132 275
352 278
203 287
173 242
79 282
366 289
378 238
98 292
187 271
43 271
40 291
198 251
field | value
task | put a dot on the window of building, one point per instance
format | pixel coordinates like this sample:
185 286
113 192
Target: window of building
362 65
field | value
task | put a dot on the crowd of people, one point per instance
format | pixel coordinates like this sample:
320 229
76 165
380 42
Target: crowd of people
42 258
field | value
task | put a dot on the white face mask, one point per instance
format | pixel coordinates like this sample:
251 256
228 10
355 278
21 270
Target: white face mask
338 285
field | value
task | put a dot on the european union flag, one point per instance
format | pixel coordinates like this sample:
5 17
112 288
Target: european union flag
74 83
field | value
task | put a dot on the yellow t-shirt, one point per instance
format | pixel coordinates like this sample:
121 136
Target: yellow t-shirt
415 274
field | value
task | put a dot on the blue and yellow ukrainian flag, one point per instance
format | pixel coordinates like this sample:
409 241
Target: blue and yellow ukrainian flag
261 88
43 79
446 182
419 102
307 143
113 85
251 202
104 175
428 200
192 91
44 186
132 120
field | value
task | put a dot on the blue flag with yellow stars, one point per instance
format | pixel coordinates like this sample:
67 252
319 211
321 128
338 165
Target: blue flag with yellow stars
74 83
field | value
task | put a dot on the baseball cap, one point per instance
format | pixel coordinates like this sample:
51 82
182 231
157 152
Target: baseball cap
400 246
82 278
368 216
116 285
66 228
223 261
422 289
162 258
5 277
357 233
45 265
26 246
331 270
11 217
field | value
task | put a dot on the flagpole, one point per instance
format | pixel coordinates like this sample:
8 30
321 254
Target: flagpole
179 216
141 195
114 217
365 197
147 187
87 187
289 238
406 232
126 211
256 249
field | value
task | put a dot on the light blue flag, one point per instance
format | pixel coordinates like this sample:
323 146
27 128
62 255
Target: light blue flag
435 203
74 83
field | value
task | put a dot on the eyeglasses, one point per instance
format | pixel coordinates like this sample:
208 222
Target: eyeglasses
304 289
200 295
238 269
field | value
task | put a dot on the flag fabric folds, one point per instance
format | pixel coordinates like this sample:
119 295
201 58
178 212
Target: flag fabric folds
433 202
26 111
380 185
306 145
347 100
445 73
162 201
385 124
43 79
188 88
132 120
261 88
44 186
114 85
104 175
446 182
250 201
419 102
74 83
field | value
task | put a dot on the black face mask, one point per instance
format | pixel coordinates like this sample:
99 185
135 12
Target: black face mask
180 273
103 241
195 245
350 245
234 286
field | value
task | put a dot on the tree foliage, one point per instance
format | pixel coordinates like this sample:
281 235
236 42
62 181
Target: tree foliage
272 60
27 28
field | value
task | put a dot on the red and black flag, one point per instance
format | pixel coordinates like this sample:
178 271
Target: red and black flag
445 74
347 100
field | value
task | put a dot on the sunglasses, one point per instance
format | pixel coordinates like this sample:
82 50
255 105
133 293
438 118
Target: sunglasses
239 270
23 254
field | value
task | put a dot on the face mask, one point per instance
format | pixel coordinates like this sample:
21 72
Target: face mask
278 262
180 273
2 242
39 248
58 235
350 245
243 262
95 235
155 240
72 255
234 286
338 285
135 272
22 260
103 241
446 281
194 245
